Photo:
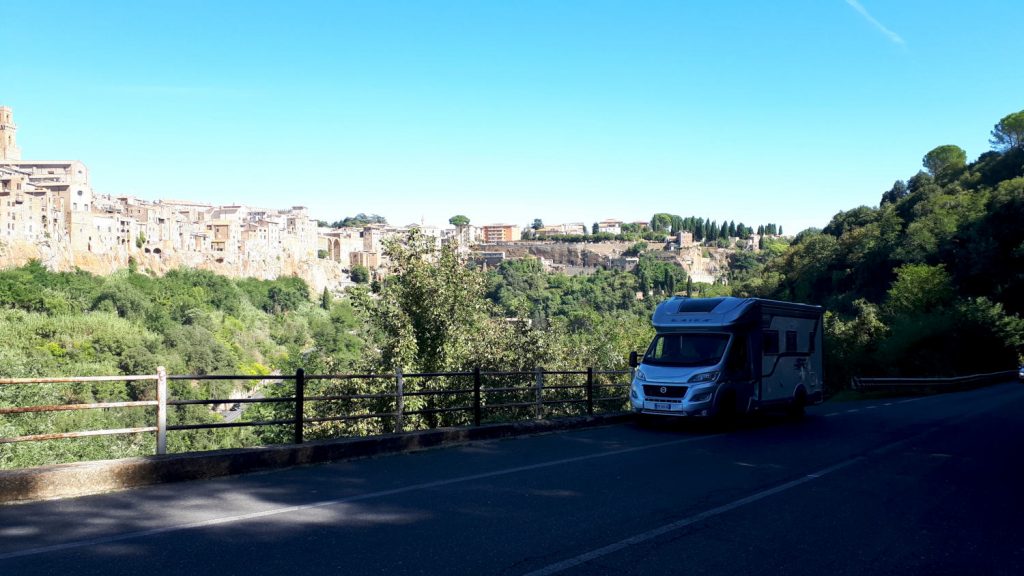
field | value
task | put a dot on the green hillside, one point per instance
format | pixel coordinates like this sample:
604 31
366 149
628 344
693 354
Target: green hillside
928 283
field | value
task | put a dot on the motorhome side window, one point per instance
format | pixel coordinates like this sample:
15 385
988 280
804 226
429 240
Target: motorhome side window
810 342
771 342
791 341
738 362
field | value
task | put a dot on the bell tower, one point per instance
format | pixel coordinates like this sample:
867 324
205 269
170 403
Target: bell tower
8 142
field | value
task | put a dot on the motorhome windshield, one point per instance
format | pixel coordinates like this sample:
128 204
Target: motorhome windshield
686 349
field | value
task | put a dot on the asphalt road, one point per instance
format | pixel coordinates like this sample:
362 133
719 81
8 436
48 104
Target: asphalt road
931 485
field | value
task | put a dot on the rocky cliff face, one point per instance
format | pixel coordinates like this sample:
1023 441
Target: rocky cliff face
577 255
705 264
318 273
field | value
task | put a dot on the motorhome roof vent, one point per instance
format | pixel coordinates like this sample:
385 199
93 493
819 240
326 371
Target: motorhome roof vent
699 305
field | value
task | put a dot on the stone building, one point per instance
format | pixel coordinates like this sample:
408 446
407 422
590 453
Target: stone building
8 136
48 210
492 233
610 226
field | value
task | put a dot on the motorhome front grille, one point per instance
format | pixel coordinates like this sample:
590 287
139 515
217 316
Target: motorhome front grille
656 391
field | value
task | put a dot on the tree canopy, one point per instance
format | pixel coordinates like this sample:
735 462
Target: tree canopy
1008 133
359 220
925 284
944 160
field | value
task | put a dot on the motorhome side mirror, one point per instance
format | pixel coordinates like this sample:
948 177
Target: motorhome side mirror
633 363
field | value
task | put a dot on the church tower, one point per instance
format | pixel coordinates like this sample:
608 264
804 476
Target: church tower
8 143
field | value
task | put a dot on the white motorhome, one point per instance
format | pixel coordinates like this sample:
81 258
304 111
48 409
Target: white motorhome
723 356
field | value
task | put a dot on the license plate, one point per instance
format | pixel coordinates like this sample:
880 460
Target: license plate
662 406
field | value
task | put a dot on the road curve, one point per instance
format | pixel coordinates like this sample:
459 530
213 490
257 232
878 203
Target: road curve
926 485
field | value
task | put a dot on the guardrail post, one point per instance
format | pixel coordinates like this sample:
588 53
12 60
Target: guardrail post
300 402
476 396
590 391
539 411
399 399
161 410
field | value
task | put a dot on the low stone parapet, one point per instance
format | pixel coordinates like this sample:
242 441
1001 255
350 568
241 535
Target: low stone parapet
82 478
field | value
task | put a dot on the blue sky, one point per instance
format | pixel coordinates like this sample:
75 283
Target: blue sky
507 111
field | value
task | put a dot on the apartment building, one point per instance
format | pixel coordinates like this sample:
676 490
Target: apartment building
492 233
610 226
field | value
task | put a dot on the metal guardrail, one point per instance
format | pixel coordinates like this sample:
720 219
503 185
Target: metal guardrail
937 383
479 399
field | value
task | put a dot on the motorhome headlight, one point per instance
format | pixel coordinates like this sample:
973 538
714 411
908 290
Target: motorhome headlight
702 396
640 375
704 377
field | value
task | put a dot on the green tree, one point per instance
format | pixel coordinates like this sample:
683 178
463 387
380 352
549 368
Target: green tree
537 224
945 160
459 221
360 274
432 316
359 220
636 249
661 222
894 194
919 289
1008 133
278 296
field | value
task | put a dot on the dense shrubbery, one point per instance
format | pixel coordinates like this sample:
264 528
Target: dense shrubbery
929 283
432 315
190 321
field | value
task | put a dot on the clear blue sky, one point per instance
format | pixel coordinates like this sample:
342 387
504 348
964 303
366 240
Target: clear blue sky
507 111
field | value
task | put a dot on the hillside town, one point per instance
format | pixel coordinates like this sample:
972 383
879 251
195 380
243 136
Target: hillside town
50 212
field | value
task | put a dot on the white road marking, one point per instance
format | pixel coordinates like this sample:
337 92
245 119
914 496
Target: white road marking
356 498
679 524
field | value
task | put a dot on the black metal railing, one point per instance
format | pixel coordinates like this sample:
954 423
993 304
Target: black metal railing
334 405
954 383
